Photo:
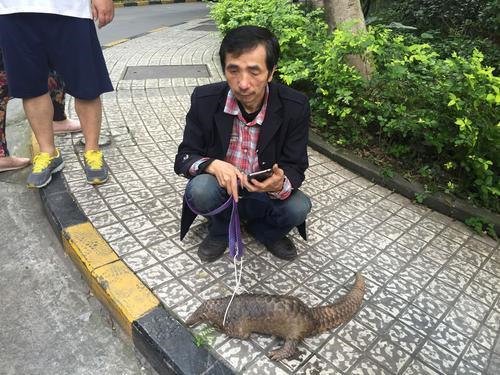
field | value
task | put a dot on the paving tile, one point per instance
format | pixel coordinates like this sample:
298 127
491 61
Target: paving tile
450 339
367 367
264 366
488 280
486 338
465 368
390 355
431 305
411 242
127 211
197 280
318 365
367 221
405 337
372 273
139 260
357 335
477 356
437 357
418 319
173 293
180 264
432 225
389 302
422 233
425 264
461 323
238 352
472 307
415 276
493 320
113 232
399 222
442 290
453 277
374 318
154 276
416 367
494 365
339 353
403 288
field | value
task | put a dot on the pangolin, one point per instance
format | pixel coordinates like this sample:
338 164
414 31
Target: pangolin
282 316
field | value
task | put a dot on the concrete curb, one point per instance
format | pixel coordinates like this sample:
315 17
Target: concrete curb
125 3
440 202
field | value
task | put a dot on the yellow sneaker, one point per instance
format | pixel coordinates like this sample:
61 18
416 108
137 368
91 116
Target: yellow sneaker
95 167
44 165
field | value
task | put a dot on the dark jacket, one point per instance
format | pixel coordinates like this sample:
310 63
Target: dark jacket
282 139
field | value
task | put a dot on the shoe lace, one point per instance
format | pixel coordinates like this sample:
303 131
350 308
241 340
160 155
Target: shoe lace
41 162
94 159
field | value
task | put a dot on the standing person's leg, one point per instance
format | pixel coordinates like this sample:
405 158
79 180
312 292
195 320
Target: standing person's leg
39 112
90 115
27 77
7 162
60 122
77 56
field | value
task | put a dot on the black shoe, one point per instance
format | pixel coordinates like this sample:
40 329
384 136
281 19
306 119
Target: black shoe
211 249
283 249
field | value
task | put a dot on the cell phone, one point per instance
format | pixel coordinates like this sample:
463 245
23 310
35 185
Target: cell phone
260 175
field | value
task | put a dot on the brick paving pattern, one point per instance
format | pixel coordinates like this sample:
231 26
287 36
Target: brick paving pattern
432 303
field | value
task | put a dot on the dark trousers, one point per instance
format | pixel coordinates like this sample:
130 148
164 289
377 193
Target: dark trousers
268 220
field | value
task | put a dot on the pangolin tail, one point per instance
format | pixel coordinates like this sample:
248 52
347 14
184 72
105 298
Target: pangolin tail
331 316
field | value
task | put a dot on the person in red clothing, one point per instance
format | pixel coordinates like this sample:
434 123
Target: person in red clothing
238 127
60 123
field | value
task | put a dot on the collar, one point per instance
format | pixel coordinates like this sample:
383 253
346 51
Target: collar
231 107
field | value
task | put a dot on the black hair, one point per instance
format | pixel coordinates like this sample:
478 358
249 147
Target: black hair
245 38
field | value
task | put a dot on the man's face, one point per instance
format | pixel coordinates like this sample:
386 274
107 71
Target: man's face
247 76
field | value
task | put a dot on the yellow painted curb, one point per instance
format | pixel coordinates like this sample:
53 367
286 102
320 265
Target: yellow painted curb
123 293
158 29
116 42
87 248
116 286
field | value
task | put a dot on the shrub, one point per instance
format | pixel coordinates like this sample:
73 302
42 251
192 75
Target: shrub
437 113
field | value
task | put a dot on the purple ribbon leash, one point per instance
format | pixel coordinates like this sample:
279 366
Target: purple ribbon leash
234 230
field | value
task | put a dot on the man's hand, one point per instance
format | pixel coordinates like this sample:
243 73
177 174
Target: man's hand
227 176
103 11
272 184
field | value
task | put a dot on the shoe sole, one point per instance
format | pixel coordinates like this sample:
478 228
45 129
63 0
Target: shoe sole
209 259
55 170
97 181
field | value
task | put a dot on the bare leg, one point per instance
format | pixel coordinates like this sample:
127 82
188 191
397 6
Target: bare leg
90 115
39 112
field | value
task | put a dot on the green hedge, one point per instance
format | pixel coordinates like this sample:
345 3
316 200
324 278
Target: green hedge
436 116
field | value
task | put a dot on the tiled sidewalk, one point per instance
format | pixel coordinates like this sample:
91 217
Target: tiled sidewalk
432 304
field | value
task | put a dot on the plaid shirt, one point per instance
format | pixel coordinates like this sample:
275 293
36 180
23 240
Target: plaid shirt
242 149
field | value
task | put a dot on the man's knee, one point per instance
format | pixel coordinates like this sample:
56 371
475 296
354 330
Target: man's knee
297 208
204 193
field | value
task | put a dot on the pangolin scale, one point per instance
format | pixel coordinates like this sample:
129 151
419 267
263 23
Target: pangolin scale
282 316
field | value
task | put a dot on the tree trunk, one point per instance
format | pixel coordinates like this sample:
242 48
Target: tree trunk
340 11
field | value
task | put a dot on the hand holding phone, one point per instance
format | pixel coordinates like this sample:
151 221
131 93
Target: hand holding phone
260 175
